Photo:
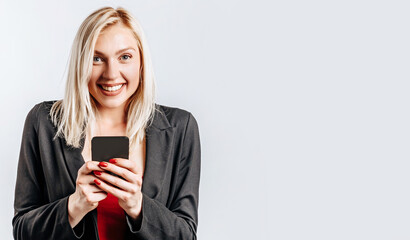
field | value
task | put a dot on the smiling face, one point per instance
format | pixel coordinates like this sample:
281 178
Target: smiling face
116 67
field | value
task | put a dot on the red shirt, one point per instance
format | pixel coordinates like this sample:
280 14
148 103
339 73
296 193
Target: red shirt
111 219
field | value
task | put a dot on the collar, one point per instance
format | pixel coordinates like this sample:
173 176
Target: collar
160 120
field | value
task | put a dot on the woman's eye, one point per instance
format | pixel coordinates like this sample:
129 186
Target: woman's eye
126 57
97 59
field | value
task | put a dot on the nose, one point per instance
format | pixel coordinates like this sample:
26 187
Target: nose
111 70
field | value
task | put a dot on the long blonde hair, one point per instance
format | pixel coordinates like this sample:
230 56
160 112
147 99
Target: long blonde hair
75 114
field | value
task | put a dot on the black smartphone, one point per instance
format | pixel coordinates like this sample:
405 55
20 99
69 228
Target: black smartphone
104 148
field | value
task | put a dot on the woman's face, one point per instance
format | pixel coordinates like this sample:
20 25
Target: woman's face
116 67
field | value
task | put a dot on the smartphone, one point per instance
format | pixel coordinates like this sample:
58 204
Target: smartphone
104 148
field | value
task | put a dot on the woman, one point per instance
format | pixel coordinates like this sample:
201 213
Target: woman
62 194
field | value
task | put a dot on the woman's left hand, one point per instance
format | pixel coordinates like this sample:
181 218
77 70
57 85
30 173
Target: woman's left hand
127 190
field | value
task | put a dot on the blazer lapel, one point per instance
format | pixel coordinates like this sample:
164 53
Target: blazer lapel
72 158
159 142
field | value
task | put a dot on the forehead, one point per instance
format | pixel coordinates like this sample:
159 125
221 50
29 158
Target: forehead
115 37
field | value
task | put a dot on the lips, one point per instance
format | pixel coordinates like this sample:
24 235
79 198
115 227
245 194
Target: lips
111 89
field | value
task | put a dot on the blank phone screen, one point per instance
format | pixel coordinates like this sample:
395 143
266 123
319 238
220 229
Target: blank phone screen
105 148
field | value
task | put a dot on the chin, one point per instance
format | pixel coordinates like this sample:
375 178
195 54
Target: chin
112 104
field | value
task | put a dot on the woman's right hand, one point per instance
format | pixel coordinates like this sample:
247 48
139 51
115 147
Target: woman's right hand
86 195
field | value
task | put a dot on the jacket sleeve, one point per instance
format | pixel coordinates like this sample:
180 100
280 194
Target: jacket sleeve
35 217
180 220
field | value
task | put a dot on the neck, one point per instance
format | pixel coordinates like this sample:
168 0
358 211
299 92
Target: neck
111 116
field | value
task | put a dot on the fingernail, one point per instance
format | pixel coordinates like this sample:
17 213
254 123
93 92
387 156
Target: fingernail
97 173
103 164
113 160
97 181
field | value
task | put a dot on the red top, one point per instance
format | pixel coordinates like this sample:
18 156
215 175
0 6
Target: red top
111 219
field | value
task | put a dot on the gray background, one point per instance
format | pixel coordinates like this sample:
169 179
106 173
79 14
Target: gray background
303 106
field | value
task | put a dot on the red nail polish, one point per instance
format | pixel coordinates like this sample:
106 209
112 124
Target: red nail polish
103 164
97 173
97 182
113 160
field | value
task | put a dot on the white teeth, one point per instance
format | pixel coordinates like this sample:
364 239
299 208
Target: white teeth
112 89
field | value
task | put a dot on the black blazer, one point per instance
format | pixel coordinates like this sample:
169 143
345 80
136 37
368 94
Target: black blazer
47 171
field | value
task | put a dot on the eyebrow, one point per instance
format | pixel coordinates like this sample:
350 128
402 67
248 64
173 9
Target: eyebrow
119 51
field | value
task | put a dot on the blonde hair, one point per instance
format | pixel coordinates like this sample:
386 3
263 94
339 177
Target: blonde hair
75 114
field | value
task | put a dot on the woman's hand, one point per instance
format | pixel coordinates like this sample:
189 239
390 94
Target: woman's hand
86 195
128 189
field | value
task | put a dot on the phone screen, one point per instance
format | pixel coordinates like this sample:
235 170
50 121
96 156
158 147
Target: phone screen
104 148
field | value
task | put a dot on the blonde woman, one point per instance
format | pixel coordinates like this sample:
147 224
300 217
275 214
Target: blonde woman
61 193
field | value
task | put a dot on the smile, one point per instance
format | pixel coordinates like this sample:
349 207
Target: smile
111 88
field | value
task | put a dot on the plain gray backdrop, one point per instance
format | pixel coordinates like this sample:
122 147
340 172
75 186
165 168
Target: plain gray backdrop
303 106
